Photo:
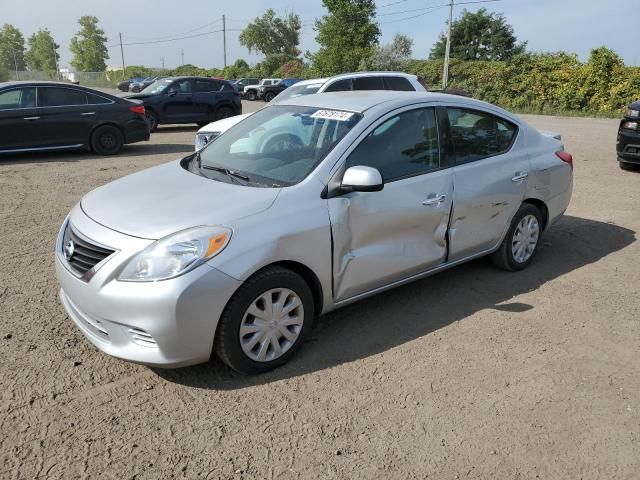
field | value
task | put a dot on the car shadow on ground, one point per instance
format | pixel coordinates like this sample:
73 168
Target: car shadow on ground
131 150
403 314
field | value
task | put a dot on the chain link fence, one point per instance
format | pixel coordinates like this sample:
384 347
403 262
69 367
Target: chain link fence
88 79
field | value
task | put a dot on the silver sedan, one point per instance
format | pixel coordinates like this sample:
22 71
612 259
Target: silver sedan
301 208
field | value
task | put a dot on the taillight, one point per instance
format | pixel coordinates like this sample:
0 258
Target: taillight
565 157
137 109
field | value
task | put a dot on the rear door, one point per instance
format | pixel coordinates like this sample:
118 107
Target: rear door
64 117
19 119
490 175
206 96
386 236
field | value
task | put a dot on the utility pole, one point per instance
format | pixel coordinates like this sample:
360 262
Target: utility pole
15 63
183 56
445 73
162 60
224 39
122 55
55 59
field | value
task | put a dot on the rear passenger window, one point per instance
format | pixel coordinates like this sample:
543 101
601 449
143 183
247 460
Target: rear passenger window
59 97
227 88
403 146
97 99
18 98
368 83
477 135
400 84
340 86
206 86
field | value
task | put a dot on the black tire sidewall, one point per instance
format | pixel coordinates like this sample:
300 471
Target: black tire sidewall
525 209
251 95
151 114
227 343
221 110
96 144
269 97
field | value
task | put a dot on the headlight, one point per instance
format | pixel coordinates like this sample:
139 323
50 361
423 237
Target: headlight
630 125
633 113
176 254
203 138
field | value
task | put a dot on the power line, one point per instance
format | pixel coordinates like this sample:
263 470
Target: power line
174 34
174 39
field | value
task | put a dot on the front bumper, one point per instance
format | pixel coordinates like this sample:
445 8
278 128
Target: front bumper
169 323
628 145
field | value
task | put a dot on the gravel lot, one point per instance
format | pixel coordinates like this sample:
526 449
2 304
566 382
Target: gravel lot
473 373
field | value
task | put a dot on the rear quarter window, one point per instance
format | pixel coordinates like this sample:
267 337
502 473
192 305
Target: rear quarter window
368 83
399 84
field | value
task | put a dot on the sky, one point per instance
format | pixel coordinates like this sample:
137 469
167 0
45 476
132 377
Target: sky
547 25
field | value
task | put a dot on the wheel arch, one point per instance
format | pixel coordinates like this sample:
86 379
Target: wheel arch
540 205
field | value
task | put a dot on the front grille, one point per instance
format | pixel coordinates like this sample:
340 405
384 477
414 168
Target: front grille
81 254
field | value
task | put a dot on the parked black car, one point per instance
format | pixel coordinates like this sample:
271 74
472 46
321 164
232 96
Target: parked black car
628 145
269 92
198 100
125 85
61 116
136 87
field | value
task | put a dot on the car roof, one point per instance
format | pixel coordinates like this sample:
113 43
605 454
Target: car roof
361 101
368 74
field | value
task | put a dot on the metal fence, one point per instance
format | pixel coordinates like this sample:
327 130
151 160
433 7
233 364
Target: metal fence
88 79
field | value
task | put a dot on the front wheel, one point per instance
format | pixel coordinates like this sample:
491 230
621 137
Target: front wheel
522 240
251 95
152 120
265 321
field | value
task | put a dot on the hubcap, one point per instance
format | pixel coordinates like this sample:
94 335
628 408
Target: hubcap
108 140
271 325
525 238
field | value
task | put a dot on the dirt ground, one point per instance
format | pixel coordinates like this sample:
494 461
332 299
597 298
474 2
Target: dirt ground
473 373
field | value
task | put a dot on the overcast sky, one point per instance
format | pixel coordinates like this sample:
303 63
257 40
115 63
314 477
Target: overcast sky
548 25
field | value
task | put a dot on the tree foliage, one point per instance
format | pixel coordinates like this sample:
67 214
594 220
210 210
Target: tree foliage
43 52
348 35
273 35
239 69
89 46
394 56
479 36
11 48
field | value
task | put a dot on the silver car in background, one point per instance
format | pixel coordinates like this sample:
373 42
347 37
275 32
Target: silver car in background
303 207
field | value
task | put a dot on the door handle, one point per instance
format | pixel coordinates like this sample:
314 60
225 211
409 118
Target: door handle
519 176
31 118
434 200
86 114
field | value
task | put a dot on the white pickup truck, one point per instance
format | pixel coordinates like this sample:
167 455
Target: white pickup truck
251 91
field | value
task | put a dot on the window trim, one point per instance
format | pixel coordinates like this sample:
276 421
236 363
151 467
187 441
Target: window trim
111 102
452 148
19 87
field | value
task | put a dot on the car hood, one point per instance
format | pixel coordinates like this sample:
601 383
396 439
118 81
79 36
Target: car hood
165 199
224 124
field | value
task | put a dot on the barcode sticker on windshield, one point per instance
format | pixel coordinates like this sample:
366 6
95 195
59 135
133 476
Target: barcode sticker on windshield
333 115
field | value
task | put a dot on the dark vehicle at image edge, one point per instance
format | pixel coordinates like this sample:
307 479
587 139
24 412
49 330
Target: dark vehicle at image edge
269 92
59 116
198 100
628 145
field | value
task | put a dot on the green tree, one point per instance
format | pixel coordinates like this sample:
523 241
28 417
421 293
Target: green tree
272 35
4 73
11 48
394 56
89 46
239 69
43 52
348 35
479 36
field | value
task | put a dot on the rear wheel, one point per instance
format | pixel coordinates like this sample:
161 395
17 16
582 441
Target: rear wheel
223 112
152 119
265 321
269 96
522 240
252 95
107 140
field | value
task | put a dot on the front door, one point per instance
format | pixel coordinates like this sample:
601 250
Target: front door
178 107
490 178
383 237
19 119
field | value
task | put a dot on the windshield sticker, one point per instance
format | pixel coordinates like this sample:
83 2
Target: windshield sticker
333 115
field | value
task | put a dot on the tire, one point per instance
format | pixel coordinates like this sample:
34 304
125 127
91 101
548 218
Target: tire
269 96
251 95
223 112
107 140
523 226
272 282
152 119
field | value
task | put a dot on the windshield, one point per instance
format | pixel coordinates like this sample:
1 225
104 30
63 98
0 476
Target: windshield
276 146
157 86
299 90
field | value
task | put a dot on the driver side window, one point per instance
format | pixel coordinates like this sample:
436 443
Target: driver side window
403 146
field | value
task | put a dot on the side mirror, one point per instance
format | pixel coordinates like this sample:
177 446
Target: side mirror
361 179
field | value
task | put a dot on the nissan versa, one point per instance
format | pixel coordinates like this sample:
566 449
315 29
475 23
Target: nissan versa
301 208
